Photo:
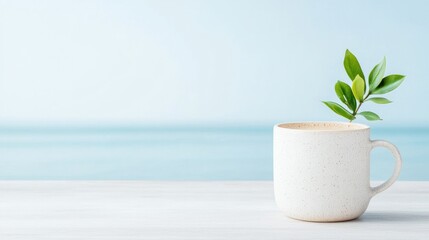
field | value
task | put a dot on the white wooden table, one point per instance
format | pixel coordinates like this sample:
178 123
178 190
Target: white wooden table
192 210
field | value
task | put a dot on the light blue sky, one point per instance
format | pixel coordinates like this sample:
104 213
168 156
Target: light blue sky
203 61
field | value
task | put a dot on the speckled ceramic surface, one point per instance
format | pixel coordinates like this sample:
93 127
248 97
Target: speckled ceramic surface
322 169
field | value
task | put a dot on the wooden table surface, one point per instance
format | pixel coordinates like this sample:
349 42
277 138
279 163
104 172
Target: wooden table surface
192 210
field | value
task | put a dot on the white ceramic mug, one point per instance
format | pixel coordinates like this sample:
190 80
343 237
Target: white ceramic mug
322 170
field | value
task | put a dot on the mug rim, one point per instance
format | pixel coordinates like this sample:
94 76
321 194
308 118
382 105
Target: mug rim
321 126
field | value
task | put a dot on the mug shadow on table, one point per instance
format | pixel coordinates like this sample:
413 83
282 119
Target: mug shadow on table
394 217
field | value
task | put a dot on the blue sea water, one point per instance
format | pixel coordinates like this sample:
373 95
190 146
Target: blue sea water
174 153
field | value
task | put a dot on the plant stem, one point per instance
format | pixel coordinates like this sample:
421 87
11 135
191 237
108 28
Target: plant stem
360 104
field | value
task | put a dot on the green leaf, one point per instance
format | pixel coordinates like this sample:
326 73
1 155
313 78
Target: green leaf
377 74
379 100
352 66
358 88
338 109
389 84
345 94
370 116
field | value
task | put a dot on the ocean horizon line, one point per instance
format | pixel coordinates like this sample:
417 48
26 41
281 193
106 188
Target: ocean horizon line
126 127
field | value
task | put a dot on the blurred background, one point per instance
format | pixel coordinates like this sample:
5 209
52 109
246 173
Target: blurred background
190 90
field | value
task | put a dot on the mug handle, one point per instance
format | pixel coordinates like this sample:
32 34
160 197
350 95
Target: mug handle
394 150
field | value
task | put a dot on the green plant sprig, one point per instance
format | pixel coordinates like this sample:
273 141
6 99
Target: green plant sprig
359 92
